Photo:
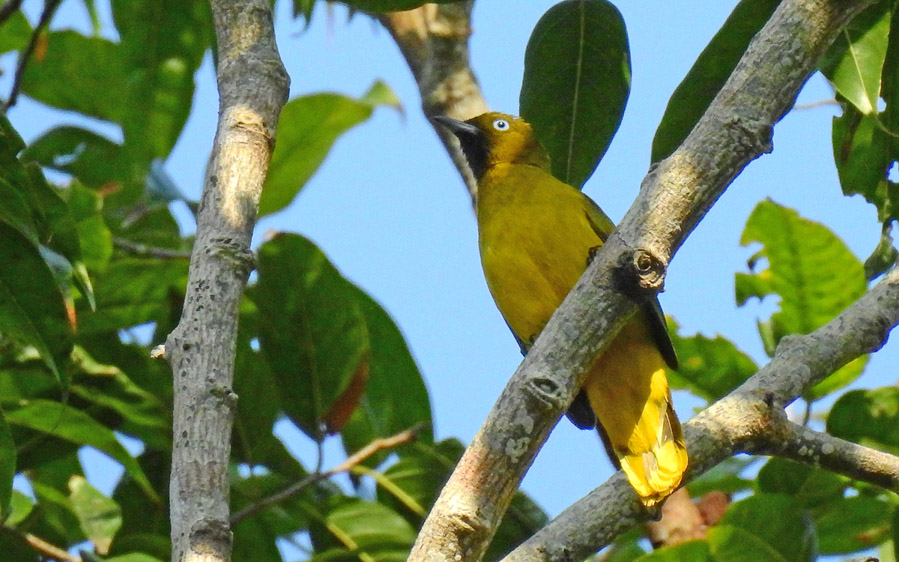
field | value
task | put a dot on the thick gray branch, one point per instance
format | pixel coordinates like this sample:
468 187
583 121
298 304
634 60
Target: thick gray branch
749 419
434 42
253 88
674 196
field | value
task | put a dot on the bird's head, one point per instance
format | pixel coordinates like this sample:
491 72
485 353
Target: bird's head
496 138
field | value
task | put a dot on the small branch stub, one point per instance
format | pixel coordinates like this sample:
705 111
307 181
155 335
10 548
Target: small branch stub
640 274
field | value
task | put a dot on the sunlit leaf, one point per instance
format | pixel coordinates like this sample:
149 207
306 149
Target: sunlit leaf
75 426
712 68
854 61
100 517
14 33
576 83
311 329
307 129
812 271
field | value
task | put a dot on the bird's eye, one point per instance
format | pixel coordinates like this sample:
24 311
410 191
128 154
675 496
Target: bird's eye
501 125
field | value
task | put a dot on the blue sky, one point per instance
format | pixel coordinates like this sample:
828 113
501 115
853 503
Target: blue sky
390 211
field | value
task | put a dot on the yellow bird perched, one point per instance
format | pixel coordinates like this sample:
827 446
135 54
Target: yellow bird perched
535 236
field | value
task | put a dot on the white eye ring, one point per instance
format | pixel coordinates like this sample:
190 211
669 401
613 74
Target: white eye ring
501 125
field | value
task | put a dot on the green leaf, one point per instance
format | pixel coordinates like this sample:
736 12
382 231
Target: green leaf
710 71
411 484
884 255
708 367
95 160
32 309
100 517
810 485
395 397
853 524
764 527
94 237
523 518
20 506
867 417
134 557
853 63
812 271
162 43
307 129
7 467
366 528
691 551
311 329
15 33
133 291
863 154
75 426
73 69
576 83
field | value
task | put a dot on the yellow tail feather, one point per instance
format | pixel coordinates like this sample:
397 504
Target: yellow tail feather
628 391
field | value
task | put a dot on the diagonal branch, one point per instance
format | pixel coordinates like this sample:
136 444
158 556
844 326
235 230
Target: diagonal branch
434 42
674 196
253 88
749 419
379 444
25 56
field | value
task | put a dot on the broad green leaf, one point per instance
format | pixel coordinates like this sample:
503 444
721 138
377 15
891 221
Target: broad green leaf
889 81
100 517
7 467
32 309
709 73
853 524
764 527
311 328
162 43
95 160
812 271
412 483
854 61
307 128
810 485
133 291
363 527
57 515
576 83
73 69
395 397
523 518
15 33
708 367
691 551
75 426
20 507
868 417
863 154
134 557
95 239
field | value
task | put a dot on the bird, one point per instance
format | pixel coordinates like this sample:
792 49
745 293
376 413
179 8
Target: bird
536 236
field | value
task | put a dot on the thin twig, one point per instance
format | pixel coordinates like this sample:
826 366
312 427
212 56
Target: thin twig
43 22
8 8
40 545
379 444
139 249
816 104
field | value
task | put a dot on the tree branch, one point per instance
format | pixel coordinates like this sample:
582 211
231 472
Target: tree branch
25 56
139 249
253 87
434 41
749 419
674 196
356 458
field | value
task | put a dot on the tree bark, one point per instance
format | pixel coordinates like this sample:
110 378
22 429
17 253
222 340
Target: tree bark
736 129
253 87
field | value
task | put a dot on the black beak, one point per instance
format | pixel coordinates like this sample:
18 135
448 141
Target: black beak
459 128
472 140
